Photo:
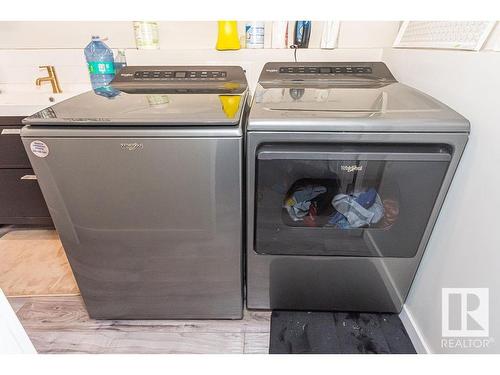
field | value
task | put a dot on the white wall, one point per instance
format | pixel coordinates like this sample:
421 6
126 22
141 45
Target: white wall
493 41
464 249
365 34
26 45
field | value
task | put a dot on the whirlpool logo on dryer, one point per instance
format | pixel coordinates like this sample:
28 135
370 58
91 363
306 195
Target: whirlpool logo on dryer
132 146
351 168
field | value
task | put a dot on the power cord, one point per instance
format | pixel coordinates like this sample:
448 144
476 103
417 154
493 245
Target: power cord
295 48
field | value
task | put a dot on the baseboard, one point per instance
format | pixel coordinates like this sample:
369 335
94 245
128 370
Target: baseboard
413 331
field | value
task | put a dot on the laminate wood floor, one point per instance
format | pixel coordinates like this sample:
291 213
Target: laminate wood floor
33 263
61 325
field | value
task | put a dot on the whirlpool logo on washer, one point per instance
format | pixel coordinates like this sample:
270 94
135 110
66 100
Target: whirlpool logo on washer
351 168
132 146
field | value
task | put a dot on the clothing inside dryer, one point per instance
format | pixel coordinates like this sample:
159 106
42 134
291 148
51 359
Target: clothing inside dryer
322 202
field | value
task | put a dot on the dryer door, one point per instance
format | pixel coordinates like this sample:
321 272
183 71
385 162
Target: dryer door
346 199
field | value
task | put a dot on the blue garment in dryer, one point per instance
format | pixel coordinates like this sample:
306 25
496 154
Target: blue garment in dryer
358 210
367 198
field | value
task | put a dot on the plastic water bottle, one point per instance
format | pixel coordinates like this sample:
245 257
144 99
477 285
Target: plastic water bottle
100 62
120 60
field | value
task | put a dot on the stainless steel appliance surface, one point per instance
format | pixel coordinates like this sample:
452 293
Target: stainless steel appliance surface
143 180
347 170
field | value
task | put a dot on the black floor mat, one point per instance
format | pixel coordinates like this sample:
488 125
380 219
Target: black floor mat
294 332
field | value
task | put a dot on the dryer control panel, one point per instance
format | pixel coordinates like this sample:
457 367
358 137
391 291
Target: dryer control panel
326 69
314 71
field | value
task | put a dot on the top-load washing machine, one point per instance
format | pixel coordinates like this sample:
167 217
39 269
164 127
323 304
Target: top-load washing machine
347 171
143 180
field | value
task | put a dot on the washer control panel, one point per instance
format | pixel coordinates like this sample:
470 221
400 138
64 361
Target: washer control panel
181 79
180 75
323 71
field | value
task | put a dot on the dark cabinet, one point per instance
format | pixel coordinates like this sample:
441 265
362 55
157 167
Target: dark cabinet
21 200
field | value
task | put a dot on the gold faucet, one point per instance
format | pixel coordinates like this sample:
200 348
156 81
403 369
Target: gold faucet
52 78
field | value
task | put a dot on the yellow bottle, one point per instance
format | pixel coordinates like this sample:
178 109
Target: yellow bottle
228 36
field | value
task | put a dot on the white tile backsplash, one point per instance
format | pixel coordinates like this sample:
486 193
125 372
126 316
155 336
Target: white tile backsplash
21 66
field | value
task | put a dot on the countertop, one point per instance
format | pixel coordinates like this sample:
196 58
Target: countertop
26 99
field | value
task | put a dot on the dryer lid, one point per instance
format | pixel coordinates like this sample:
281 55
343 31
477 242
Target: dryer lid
345 97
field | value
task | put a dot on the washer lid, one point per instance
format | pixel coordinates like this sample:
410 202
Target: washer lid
156 96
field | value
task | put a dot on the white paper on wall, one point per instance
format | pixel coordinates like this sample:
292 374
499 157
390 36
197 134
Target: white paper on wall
279 34
330 35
